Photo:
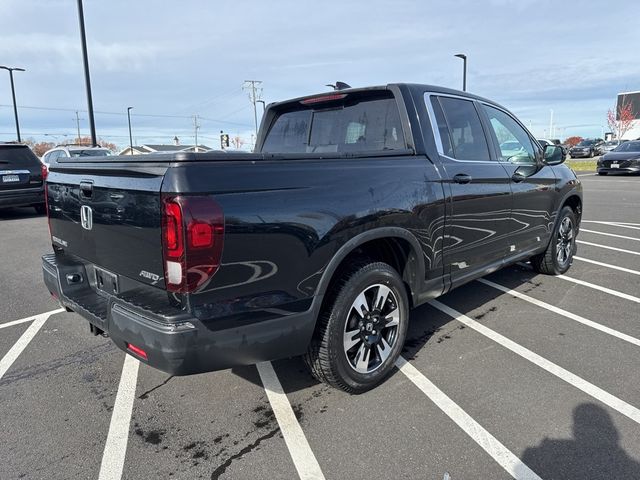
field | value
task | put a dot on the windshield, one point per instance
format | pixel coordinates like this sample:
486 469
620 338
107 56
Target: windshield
611 143
586 143
89 153
628 147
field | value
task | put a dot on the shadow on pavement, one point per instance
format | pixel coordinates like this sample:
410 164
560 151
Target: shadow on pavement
18 213
594 451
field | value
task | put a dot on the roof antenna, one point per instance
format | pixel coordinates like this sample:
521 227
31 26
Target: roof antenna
339 85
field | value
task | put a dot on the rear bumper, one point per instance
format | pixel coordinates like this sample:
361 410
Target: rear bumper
21 198
178 343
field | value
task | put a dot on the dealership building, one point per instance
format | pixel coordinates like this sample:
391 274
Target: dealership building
634 99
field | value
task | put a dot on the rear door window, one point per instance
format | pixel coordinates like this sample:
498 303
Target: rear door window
466 135
366 125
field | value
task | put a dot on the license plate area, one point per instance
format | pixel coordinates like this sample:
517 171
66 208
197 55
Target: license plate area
10 178
615 165
106 282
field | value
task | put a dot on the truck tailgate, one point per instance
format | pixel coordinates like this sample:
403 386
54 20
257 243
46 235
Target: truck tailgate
109 216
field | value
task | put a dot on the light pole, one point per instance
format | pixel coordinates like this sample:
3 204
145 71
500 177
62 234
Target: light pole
263 105
130 137
464 70
13 94
87 79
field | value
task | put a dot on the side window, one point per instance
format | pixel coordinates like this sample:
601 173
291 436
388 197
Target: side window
513 140
465 130
443 130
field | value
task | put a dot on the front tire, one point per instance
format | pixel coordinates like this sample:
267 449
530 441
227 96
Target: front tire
602 173
361 329
558 256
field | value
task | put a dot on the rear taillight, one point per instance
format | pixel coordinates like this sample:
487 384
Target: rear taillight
192 240
45 172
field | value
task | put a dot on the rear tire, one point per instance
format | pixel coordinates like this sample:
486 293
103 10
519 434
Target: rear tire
558 256
361 329
41 209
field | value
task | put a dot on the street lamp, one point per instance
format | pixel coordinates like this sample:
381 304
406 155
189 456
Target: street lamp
13 94
130 137
464 70
263 105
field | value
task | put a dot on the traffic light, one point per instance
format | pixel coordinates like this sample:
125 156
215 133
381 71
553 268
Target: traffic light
224 140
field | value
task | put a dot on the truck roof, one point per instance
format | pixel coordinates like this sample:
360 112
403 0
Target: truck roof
411 86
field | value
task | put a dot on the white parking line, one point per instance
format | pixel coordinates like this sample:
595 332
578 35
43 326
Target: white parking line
608 247
303 458
600 288
29 319
587 175
115 448
613 267
564 313
634 226
18 347
612 401
501 454
610 234
610 291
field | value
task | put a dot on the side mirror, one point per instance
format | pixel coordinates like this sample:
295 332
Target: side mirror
553 155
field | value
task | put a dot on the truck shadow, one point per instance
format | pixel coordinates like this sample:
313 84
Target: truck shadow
18 213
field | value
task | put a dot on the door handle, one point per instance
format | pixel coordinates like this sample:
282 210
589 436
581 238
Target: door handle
462 178
518 177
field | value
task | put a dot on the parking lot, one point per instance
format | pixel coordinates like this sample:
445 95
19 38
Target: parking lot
517 375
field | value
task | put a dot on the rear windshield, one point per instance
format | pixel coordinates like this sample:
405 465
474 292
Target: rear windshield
586 143
89 153
359 124
17 157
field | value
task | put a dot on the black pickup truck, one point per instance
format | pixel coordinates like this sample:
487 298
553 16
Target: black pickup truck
358 205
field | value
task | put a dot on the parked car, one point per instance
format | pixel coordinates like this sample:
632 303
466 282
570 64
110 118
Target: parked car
586 148
73 151
624 158
21 177
608 146
358 205
544 142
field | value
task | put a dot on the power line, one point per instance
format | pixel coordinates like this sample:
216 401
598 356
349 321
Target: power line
155 115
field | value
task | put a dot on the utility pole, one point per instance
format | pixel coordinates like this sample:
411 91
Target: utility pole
130 137
87 79
551 125
78 126
255 95
13 94
196 127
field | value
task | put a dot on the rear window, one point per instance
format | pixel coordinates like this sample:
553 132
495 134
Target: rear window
358 125
17 157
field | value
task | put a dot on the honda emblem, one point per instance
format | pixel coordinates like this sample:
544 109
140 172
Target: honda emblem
86 217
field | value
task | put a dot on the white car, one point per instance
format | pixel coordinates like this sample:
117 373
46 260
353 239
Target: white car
71 151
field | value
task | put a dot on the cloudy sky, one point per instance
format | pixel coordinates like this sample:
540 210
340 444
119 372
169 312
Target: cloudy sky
171 60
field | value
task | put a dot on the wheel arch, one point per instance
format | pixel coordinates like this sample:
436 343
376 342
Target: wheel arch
393 245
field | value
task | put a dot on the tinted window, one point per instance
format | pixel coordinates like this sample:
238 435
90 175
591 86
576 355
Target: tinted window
467 137
513 140
586 143
369 125
289 133
443 130
17 157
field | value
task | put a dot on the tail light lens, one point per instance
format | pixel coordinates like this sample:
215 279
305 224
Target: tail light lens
192 241
45 172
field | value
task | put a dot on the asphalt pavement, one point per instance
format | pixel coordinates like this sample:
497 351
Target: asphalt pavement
516 376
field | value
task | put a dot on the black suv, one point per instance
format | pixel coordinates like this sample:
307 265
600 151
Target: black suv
22 177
